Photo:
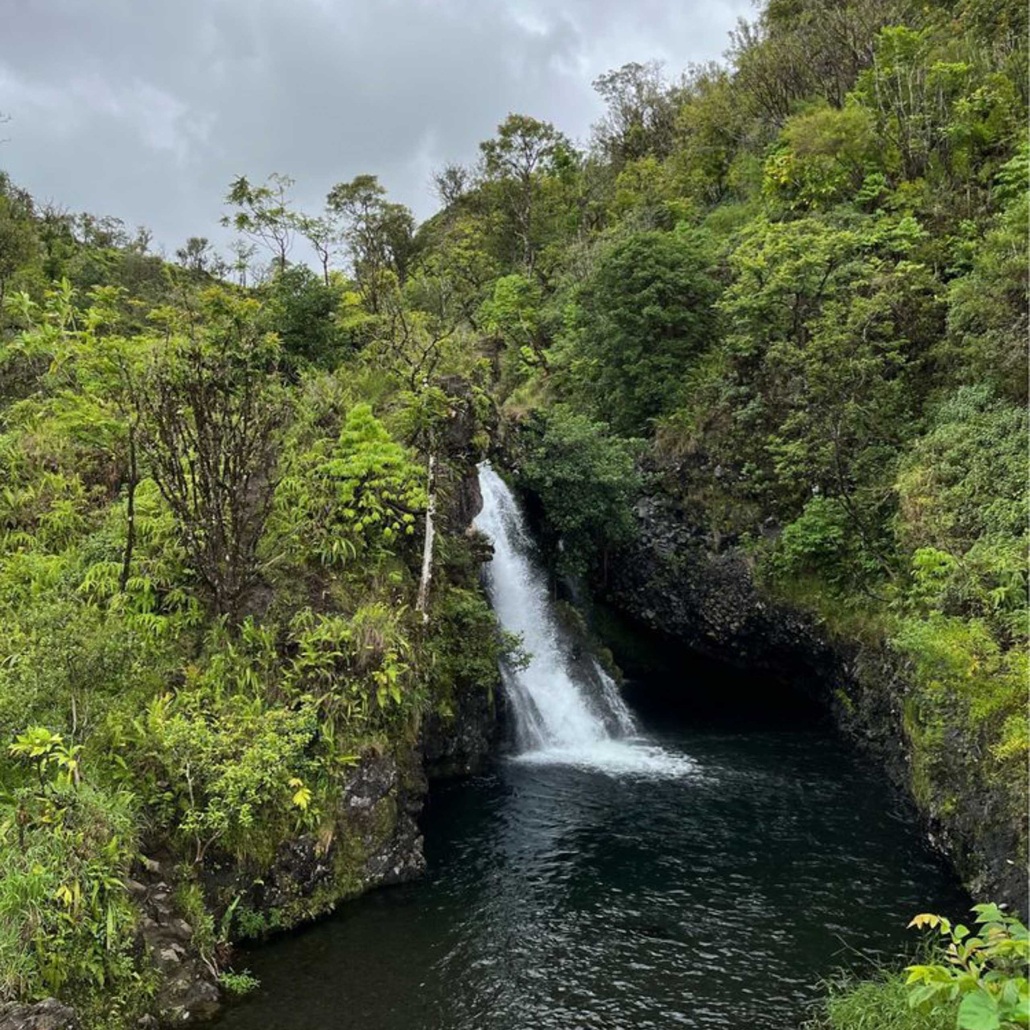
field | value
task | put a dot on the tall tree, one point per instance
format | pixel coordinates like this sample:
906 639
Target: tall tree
378 234
451 183
514 159
323 234
641 318
264 214
195 255
212 420
641 113
18 241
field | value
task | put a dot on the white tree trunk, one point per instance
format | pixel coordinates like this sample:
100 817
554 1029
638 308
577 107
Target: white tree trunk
421 605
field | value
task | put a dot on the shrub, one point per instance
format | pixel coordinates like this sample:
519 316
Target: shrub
984 970
586 480
66 921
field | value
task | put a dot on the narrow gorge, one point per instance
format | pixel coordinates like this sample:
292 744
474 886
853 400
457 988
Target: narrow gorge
616 869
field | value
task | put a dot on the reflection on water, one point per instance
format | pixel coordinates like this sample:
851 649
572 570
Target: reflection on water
564 896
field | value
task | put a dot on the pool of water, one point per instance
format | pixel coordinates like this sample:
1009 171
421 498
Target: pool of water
712 889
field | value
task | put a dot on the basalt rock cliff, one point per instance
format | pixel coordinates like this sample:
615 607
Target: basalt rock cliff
675 581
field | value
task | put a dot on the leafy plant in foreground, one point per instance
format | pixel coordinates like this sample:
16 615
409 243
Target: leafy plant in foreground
986 968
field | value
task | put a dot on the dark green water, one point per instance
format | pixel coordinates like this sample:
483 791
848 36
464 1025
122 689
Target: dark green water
560 897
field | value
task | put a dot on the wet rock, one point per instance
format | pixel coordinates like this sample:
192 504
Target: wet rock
462 442
43 1015
189 1000
674 582
383 800
179 928
374 841
188 990
302 868
702 593
460 744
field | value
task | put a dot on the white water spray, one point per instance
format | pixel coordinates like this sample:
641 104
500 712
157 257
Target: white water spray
565 710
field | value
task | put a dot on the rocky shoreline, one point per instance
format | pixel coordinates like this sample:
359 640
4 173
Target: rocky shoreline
377 823
673 581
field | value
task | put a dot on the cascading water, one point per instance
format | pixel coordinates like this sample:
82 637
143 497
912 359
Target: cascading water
565 709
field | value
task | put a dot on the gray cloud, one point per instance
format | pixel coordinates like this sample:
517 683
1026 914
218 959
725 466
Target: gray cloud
147 110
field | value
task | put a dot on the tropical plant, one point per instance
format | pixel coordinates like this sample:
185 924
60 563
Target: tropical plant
983 968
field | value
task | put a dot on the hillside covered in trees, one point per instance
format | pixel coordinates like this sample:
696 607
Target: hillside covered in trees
786 294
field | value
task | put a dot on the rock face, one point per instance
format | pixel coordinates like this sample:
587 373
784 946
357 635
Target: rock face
973 822
461 744
43 1015
188 988
461 441
374 841
671 581
674 582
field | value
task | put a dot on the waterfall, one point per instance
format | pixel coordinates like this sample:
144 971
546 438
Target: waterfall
565 708
553 707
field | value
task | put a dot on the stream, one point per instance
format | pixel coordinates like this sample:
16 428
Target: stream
619 868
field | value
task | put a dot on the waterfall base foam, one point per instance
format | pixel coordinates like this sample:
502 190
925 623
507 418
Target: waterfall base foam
637 758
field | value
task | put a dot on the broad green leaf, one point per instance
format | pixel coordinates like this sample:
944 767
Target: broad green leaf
978 1011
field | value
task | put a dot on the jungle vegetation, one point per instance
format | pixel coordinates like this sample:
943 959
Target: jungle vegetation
788 290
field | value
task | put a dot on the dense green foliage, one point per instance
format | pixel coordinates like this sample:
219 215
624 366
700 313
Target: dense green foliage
791 289
584 477
642 315
210 542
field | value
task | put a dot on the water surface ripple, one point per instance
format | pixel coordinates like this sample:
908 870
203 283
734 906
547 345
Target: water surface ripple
562 896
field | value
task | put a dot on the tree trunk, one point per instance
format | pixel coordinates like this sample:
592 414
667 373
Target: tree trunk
421 605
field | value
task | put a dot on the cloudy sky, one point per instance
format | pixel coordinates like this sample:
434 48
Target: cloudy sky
146 109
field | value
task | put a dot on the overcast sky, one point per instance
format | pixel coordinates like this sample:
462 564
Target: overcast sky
146 109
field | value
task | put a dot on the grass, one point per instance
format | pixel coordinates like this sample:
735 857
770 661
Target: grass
880 1003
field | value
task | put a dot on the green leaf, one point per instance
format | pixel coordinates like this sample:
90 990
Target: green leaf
989 913
978 1011
1020 1012
920 995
